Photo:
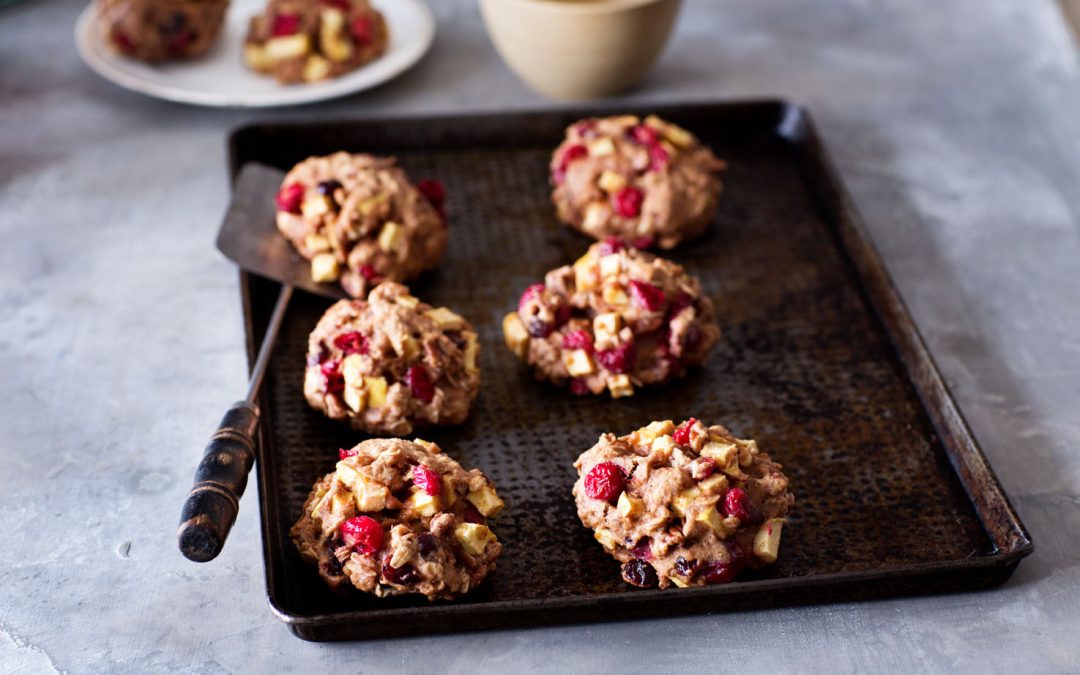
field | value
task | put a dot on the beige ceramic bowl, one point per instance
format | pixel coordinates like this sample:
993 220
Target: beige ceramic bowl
576 49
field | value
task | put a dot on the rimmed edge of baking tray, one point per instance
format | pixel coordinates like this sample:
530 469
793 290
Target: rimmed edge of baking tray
1002 525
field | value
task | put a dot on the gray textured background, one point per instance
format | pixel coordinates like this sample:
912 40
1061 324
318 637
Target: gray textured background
956 125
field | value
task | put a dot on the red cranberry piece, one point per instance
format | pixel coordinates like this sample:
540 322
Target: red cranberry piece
646 295
537 327
562 315
640 574
177 43
579 387
528 295
352 342
369 273
578 339
693 337
427 479
331 371
605 481
123 41
406 574
720 572
617 359
427 544
643 242
472 515
285 24
627 202
658 158
571 153
643 550
327 187
289 197
362 29
319 357
433 190
682 432
687 568
644 135
420 383
611 245
343 5
362 533
344 453
737 503
333 567
680 302
586 128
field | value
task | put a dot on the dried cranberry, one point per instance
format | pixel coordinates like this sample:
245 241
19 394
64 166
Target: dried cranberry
658 158
644 135
680 302
427 479
645 241
331 371
362 29
682 432
317 358
571 153
406 574
579 387
352 342
737 503
471 515
369 273
537 327
617 359
687 568
640 574
178 42
289 197
720 572
123 41
611 245
578 339
643 550
362 533
693 337
285 24
562 315
420 383
605 481
627 202
327 187
433 190
343 5
528 295
646 295
333 567
585 128
427 544
346 453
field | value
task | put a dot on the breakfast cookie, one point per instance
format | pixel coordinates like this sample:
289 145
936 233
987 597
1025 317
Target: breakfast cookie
400 517
391 363
310 40
616 319
648 182
360 221
157 30
688 505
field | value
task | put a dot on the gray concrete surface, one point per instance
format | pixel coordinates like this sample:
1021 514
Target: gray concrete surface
954 123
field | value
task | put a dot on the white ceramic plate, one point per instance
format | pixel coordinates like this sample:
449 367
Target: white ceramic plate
220 78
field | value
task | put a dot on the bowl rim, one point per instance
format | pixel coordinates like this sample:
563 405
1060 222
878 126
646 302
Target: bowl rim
584 6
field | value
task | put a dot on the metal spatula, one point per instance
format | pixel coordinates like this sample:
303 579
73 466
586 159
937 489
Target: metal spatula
248 237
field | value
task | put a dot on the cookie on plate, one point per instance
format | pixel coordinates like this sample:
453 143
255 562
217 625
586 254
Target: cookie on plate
399 517
688 505
158 30
360 221
648 182
311 40
391 363
617 319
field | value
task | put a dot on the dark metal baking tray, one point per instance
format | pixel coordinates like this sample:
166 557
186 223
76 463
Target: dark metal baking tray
820 362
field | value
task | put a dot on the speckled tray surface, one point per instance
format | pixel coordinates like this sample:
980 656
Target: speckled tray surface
819 362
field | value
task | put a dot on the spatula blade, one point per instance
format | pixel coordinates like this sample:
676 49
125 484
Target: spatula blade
249 237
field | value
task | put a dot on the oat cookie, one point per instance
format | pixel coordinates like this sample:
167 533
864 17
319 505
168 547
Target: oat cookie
688 505
400 517
310 40
648 182
390 363
159 30
616 319
360 221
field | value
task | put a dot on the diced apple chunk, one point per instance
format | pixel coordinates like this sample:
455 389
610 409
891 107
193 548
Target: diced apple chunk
316 243
650 432
409 301
472 351
376 391
620 386
585 273
717 484
288 47
256 57
630 507
369 495
486 501
332 37
711 518
610 265
611 181
315 206
445 319
681 503
473 537
601 147
449 491
678 581
422 504
346 473
606 538
325 268
606 327
352 370
391 237
517 338
615 296
315 68
726 456
355 398
579 363
596 213
767 539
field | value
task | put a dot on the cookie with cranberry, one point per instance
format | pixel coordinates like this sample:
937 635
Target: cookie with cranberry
398 517
390 363
617 319
360 221
643 181
159 30
311 40
689 505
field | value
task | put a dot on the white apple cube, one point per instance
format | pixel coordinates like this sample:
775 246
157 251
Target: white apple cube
325 268
767 539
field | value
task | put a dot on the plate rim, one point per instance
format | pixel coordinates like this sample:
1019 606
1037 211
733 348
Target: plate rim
86 40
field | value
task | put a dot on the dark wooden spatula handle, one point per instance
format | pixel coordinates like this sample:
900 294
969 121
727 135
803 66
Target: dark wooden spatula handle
211 506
